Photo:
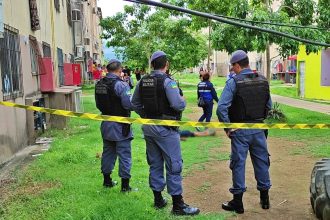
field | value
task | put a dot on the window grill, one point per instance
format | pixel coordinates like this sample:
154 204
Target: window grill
46 50
11 65
60 66
37 64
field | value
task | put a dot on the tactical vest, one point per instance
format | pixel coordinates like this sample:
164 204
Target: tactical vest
154 100
249 102
106 99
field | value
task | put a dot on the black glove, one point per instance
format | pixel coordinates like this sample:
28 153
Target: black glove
180 91
126 128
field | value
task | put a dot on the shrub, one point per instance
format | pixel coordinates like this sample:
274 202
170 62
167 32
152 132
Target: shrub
276 113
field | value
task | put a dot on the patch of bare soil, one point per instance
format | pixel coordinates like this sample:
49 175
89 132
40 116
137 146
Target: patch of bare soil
289 194
290 175
8 182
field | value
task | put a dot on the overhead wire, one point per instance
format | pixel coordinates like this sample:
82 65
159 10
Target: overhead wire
274 23
227 21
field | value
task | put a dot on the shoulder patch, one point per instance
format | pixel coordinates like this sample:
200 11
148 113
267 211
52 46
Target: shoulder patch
173 85
128 92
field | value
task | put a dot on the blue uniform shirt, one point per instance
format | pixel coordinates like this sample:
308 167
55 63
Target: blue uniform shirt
226 100
112 131
175 99
206 90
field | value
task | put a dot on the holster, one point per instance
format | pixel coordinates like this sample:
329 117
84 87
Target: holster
126 128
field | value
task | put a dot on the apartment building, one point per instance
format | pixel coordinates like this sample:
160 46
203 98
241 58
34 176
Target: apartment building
42 61
219 60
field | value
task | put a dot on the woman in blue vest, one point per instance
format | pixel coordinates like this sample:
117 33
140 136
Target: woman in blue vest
206 91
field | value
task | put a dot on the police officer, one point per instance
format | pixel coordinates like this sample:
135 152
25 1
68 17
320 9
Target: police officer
206 90
158 97
246 99
112 96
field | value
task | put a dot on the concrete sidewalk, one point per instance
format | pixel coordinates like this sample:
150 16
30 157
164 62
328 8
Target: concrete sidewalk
312 106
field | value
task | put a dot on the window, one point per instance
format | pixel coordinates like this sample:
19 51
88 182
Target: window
60 66
87 41
34 61
57 5
68 12
95 56
35 55
325 68
10 62
34 17
46 50
71 58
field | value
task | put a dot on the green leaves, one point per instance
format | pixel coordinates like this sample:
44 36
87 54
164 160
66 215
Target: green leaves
230 38
138 32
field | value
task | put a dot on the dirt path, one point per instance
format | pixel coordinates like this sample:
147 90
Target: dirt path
290 176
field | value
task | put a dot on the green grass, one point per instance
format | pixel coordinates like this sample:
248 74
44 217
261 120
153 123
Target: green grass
193 78
315 140
285 91
66 183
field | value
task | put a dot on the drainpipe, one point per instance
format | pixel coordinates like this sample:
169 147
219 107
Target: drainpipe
52 25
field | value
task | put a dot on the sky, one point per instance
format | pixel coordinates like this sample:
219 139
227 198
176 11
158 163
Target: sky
110 8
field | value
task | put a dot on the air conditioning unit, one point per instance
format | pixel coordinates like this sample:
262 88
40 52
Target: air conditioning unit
87 41
76 15
79 51
96 45
79 105
95 10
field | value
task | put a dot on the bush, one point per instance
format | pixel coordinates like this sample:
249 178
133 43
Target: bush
276 113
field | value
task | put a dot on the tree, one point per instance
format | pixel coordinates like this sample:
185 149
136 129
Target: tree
138 32
230 38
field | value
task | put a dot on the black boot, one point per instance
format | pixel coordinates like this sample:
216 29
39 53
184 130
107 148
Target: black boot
264 199
235 205
107 181
125 185
181 208
159 201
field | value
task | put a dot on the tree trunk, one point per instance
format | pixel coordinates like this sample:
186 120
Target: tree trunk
268 66
209 52
268 63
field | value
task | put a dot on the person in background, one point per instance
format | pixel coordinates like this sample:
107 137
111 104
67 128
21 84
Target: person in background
104 71
143 72
96 72
125 69
206 91
137 73
201 72
231 74
184 134
128 79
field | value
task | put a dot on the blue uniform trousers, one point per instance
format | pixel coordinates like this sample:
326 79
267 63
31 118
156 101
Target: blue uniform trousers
165 149
257 145
207 112
112 149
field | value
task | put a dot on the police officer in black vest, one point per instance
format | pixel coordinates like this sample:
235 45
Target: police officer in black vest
157 96
112 96
246 99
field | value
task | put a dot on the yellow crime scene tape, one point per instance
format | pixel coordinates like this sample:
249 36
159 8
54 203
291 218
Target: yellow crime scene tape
97 117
